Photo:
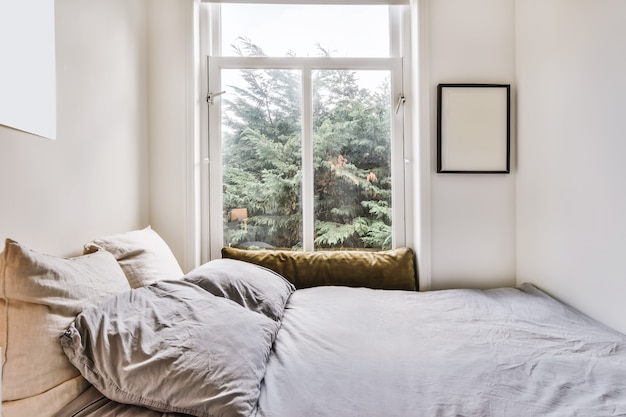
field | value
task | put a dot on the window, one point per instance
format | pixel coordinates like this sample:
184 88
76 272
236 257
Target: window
305 126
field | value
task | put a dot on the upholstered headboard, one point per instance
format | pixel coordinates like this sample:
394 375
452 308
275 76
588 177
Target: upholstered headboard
393 269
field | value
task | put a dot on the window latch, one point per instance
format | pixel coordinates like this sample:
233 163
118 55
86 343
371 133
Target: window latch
401 100
210 96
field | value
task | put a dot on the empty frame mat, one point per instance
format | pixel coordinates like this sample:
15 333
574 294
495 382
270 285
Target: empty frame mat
473 128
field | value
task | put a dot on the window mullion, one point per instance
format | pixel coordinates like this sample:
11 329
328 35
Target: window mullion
308 203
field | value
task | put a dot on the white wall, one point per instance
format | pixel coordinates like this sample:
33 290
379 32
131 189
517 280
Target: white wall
91 181
571 58
173 132
472 215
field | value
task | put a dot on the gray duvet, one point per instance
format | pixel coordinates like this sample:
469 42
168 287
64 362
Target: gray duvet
339 351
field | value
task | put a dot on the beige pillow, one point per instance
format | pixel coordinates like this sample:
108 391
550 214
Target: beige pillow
39 297
390 270
143 255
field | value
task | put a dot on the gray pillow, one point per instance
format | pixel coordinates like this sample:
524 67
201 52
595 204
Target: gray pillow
254 287
173 347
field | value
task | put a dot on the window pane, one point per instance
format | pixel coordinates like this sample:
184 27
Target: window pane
352 151
305 30
262 152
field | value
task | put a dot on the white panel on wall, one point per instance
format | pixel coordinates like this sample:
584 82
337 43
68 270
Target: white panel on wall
27 66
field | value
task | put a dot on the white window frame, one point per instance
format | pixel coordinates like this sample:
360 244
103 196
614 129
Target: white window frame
397 64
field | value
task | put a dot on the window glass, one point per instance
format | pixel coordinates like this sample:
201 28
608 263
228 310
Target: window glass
352 154
306 133
306 30
262 154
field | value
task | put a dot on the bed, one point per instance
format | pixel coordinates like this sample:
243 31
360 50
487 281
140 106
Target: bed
235 338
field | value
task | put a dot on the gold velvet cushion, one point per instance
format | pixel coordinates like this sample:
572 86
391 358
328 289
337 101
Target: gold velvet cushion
391 270
39 297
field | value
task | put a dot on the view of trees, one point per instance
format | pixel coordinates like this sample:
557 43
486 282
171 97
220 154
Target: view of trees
262 151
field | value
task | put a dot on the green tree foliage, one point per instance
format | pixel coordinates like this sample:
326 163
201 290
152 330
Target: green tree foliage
262 159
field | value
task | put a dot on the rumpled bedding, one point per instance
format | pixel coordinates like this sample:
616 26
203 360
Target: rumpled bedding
175 347
504 352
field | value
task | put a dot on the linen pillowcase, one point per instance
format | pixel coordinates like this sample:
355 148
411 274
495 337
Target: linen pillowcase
173 347
254 287
40 295
389 270
143 255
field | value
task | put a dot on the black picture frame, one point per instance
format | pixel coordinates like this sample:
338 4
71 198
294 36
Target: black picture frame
474 128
